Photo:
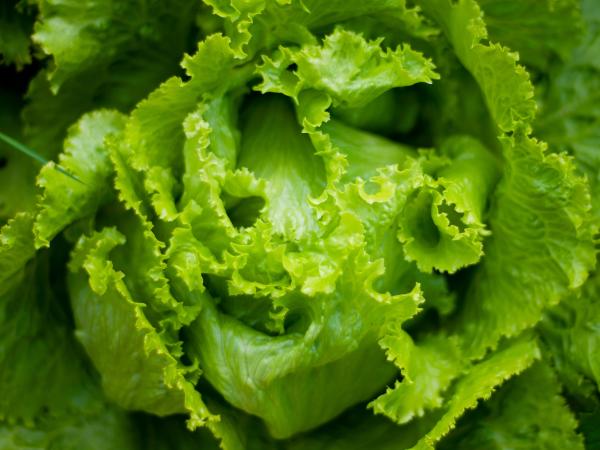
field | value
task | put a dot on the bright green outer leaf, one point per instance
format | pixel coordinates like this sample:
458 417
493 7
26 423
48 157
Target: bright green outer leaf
479 384
16 25
540 216
214 68
65 200
427 369
505 84
527 412
539 30
541 245
105 53
137 370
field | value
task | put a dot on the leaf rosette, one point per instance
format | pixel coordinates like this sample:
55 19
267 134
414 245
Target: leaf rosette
333 206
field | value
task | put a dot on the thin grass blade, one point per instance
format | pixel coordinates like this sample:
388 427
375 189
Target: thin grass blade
34 155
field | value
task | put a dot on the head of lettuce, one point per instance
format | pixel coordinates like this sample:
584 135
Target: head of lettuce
333 229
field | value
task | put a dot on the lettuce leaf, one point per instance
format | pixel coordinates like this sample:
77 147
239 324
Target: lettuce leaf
103 54
541 416
67 410
138 372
